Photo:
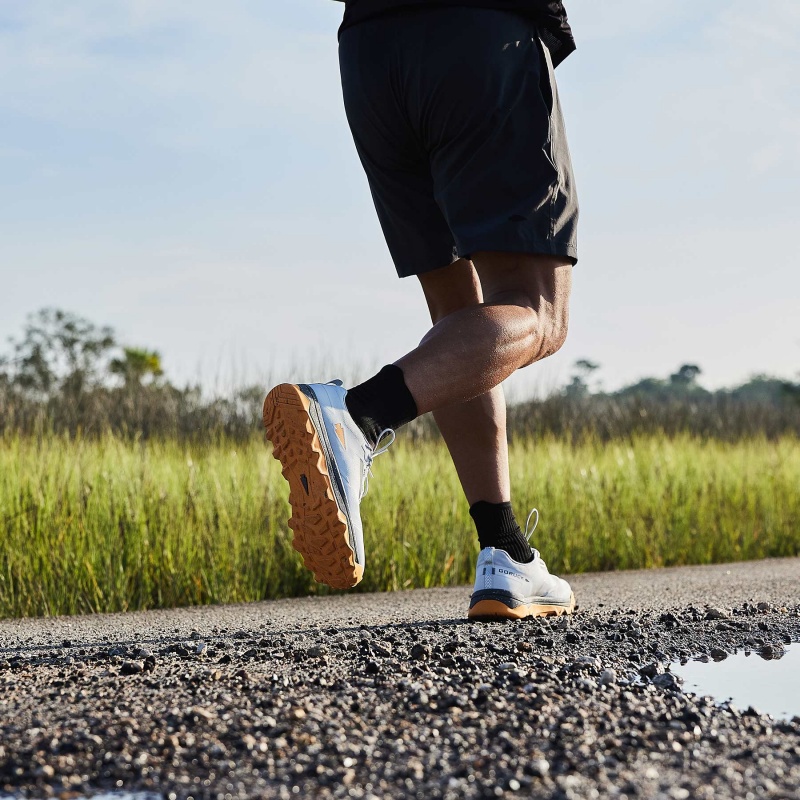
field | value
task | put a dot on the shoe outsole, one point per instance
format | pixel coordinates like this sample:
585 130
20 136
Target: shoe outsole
495 609
320 528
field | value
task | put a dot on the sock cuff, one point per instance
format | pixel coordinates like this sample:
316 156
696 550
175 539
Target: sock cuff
384 401
500 515
406 405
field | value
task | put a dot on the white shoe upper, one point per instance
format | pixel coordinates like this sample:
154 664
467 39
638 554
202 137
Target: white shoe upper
348 454
499 577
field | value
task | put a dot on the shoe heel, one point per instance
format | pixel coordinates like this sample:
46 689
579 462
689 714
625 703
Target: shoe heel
490 608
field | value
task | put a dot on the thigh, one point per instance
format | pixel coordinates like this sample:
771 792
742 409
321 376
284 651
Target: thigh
524 278
451 288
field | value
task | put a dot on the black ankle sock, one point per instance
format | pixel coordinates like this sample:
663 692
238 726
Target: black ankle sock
381 402
497 527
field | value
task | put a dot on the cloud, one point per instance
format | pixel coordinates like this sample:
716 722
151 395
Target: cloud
177 73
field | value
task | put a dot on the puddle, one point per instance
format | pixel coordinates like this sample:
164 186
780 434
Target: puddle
770 686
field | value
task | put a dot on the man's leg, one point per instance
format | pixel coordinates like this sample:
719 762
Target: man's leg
524 318
474 431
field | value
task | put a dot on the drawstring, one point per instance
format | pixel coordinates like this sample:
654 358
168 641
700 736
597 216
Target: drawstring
372 454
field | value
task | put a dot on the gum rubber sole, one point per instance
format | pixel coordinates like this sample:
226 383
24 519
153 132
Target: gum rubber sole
320 528
494 609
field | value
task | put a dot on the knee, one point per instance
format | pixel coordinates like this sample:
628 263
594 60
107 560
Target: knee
549 333
557 335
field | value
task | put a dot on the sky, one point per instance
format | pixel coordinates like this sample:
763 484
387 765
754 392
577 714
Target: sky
184 172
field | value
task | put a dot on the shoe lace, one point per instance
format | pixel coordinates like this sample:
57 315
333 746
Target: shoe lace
529 532
371 453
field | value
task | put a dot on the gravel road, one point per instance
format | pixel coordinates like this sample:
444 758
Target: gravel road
398 695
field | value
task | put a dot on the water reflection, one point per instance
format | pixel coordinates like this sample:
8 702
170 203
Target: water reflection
765 679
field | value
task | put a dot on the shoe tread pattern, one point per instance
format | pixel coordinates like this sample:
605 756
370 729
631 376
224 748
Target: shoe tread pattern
320 528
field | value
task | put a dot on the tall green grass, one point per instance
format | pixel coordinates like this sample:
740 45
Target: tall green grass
106 524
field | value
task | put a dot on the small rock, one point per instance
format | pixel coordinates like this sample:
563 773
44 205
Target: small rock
539 767
718 654
585 662
651 670
771 651
764 607
420 652
382 649
202 713
421 698
317 651
717 613
608 677
201 648
666 681
131 667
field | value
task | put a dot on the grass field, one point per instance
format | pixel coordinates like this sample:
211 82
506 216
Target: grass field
107 525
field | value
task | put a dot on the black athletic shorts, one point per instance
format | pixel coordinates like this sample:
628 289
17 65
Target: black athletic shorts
456 119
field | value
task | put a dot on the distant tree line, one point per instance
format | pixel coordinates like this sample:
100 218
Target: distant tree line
65 374
763 406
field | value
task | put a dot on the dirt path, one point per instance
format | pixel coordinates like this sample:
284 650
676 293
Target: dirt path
397 695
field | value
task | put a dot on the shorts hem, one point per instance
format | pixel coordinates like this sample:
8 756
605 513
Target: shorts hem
516 243
410 272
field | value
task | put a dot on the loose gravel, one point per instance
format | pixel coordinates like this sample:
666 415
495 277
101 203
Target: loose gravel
377 696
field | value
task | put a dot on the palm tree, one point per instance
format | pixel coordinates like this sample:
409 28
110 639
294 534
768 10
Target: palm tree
136 365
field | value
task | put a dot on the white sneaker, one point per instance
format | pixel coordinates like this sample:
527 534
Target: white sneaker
506 589
326 460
